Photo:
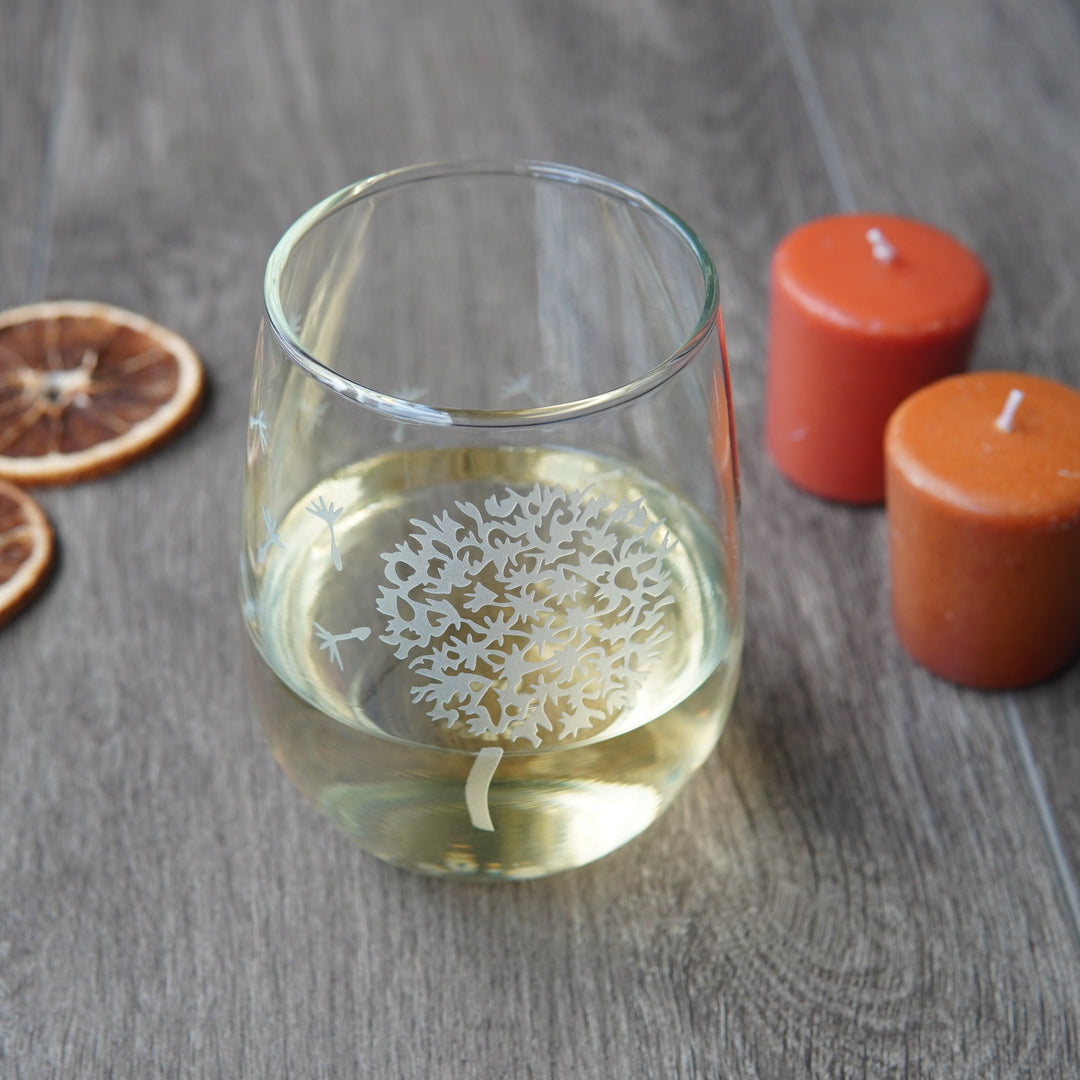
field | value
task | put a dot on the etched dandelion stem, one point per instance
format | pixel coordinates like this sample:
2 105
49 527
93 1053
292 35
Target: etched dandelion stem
478 784
335 554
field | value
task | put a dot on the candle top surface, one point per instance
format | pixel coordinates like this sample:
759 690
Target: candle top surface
947 440
882 274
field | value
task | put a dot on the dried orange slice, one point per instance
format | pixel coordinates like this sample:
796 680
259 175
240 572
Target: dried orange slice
87 387
26 549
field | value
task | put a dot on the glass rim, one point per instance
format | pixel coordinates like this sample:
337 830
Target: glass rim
417 412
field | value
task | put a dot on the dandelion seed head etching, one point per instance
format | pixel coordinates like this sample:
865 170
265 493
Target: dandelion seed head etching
542 611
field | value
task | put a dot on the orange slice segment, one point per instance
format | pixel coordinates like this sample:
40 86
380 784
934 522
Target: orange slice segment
26 549
87 387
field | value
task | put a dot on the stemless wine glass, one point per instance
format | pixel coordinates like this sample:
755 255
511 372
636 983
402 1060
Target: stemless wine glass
490 570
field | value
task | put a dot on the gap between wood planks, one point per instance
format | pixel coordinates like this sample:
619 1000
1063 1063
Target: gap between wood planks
1066 880
810 91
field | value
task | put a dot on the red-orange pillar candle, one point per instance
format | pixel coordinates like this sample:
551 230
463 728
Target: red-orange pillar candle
983 505
865 309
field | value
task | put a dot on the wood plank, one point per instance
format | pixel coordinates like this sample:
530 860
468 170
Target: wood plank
840 893
997 165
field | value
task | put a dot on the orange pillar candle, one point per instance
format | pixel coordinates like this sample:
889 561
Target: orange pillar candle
983 504
865 309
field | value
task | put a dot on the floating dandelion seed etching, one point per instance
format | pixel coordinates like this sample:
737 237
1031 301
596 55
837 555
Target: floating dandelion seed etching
273 537
328 513
520 385
540 611
315 413
250 608
258 424
331 641
408 392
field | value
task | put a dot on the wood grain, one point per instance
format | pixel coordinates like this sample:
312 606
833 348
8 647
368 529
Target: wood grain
858 884
1006 136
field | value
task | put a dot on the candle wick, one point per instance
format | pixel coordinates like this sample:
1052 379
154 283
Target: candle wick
1005 421
881 249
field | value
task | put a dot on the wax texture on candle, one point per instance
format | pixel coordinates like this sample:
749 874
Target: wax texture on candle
852 333
984 528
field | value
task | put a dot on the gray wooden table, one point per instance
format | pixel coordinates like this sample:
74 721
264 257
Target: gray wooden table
873 876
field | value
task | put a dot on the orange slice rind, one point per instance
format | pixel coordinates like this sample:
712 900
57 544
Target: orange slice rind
86 388
26 549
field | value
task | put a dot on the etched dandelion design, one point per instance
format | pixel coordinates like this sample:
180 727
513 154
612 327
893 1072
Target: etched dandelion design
330 641
258 423
543 611
407 392
273 537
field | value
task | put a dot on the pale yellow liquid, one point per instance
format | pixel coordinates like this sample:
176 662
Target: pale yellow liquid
356 741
